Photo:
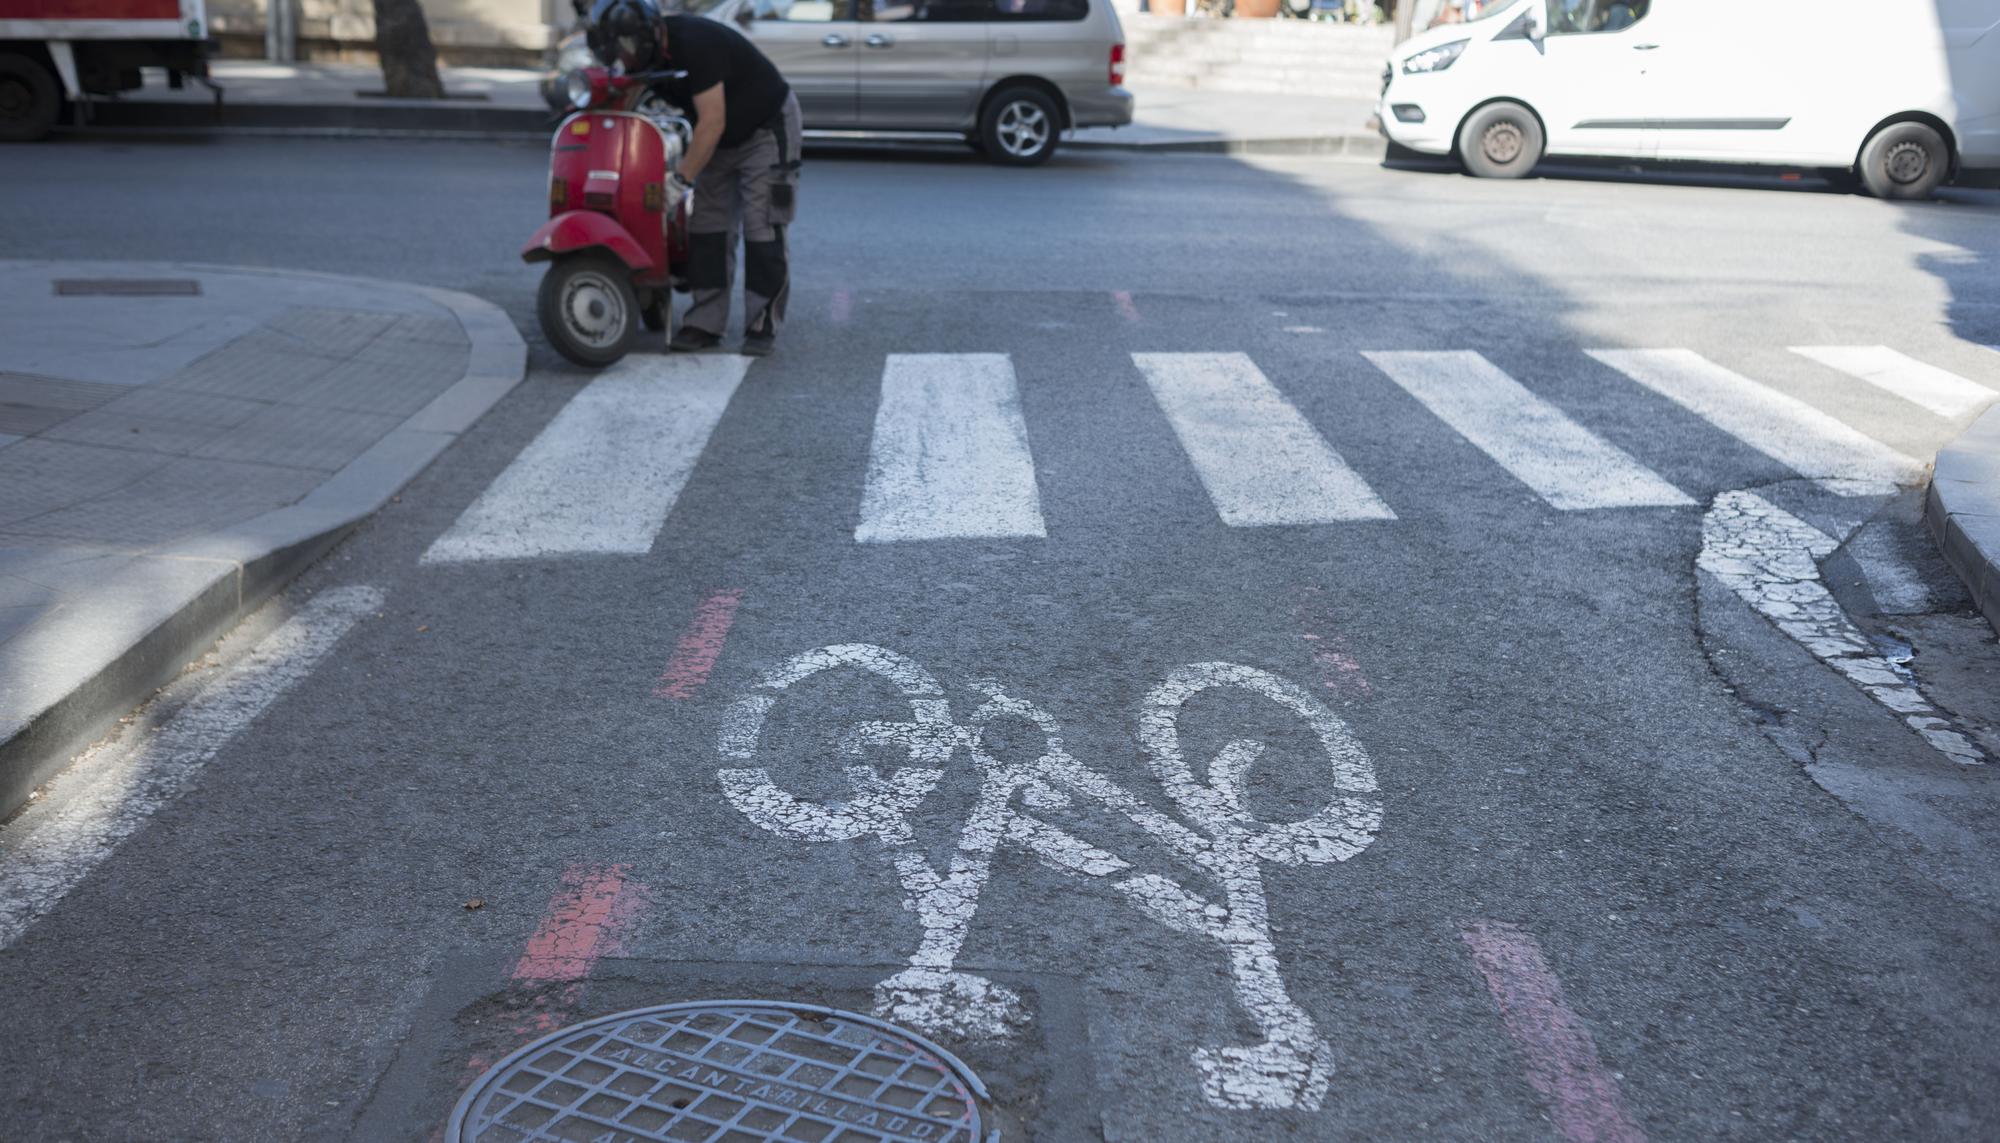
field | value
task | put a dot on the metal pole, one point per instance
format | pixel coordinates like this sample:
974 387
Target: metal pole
1406 16
281 31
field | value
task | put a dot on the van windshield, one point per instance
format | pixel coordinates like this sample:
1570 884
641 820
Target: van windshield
1475 12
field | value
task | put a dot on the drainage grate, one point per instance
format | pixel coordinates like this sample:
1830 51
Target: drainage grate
728 1071
127 287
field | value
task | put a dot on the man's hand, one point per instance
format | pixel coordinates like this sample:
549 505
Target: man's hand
710 115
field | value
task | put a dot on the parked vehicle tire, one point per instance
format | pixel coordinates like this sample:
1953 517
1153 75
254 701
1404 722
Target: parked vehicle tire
588 309
1500 141
1020 126
30 99
1905 160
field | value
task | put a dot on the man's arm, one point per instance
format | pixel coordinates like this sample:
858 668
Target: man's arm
710 114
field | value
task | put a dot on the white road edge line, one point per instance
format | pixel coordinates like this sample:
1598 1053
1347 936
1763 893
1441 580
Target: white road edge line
1566 464
1260 460
1938 390
602 476
949 457
1841 459
57 851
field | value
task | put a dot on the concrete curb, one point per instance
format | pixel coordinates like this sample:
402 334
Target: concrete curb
234 571
1962 508
402 119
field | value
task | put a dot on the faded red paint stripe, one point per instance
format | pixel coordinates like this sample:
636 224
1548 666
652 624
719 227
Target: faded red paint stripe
700 645
1555 1044
1339 671
1126 307
587 919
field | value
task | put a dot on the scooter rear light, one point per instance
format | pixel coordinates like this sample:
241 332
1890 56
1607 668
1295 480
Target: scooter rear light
1117 64
558 191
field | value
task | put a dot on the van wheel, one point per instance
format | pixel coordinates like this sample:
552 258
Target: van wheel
1500 141
1905 160
1020 127
29 99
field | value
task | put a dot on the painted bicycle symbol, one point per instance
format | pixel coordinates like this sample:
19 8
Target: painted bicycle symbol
1220 839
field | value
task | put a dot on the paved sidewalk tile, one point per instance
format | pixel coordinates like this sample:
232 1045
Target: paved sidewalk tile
144 434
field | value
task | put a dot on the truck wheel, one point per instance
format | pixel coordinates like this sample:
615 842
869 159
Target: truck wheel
29 99
1500 141
1020 126
1905 160
588 309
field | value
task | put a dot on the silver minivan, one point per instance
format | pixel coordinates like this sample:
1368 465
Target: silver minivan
1008 75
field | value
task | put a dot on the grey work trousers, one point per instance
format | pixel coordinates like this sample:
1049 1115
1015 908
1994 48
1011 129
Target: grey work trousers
751 187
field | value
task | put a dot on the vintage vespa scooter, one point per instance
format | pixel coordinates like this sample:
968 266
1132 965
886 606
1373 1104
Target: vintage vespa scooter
617 229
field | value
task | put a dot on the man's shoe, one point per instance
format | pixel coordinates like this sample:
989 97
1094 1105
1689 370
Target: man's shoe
759 345
690 340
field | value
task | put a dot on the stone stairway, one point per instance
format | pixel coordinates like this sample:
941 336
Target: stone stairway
1280 57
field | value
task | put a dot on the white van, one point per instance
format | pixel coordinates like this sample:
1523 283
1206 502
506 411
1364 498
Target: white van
1902 93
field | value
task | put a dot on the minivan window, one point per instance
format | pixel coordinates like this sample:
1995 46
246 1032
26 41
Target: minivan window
1040 9
1573 17
797 11
927 11
963 11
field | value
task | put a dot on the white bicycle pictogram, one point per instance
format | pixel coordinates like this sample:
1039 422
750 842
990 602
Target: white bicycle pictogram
1221 839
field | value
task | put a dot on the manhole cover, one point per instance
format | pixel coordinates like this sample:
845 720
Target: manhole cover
127 287
730 1071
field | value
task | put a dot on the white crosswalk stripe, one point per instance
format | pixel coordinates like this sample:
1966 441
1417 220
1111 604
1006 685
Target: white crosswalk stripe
1567 464
1941 391
1789 431
949 458
1261 462
601 478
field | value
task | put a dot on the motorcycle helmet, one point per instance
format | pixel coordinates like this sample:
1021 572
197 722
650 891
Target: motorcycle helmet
625 34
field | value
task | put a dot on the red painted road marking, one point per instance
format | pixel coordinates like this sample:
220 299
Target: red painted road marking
700 645
1339 671
1553 1040
589 918
841 307
1125 306
586 919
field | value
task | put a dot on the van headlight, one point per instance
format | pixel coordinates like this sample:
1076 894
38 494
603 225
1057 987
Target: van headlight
1435 59
577 87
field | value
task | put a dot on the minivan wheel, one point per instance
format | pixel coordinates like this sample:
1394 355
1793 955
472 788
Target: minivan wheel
1020 127
1500 141
1905 160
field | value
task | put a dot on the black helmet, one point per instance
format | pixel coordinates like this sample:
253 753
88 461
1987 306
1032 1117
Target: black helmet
625 33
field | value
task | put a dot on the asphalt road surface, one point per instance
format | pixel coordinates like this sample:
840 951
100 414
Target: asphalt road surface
1267 594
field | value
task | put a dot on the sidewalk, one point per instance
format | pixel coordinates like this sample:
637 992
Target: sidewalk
332 98
1962 507
177 442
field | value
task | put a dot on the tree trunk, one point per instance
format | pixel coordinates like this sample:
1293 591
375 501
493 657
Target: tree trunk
1406 18
403 40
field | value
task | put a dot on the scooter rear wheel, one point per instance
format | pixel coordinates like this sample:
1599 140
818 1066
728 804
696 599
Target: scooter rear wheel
588 309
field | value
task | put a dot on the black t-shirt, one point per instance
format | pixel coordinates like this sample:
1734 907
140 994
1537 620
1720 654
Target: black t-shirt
712 53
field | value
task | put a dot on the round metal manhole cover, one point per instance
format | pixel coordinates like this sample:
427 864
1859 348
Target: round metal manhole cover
732 1071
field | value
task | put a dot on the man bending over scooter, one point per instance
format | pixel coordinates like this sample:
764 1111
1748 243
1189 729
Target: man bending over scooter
743 163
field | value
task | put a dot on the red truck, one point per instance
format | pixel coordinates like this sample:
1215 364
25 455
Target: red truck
59 53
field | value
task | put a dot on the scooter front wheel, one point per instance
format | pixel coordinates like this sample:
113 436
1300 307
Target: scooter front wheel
588 309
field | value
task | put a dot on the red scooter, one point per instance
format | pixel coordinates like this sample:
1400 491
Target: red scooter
617 229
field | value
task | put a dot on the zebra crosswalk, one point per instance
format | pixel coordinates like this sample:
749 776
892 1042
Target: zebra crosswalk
949 455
